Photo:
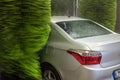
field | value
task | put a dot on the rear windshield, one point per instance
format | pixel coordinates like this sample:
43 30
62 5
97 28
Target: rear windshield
82 28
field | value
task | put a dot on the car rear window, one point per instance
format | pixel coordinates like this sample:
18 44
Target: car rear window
82 28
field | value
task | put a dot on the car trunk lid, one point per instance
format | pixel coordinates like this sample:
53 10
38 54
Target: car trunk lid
108 45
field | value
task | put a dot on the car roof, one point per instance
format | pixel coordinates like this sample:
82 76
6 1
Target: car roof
64 18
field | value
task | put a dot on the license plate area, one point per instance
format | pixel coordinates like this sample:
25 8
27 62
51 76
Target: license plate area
116 74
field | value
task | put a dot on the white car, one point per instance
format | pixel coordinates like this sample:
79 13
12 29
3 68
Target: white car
80 49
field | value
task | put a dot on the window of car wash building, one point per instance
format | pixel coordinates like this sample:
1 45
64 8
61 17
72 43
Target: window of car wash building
64 7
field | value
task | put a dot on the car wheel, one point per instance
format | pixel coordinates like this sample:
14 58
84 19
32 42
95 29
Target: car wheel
49 73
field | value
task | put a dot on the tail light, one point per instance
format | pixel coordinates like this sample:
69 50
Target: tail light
86 57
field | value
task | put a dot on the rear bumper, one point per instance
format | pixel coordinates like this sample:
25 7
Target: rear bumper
97 74
88 73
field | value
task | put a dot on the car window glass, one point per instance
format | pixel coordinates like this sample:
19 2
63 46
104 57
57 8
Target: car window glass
82 28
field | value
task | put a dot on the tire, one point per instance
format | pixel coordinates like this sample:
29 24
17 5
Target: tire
49 73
